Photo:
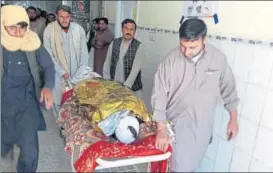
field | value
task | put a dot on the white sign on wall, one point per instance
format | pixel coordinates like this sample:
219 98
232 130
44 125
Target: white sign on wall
200 8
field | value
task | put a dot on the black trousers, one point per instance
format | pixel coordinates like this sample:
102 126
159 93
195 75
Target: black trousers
22 131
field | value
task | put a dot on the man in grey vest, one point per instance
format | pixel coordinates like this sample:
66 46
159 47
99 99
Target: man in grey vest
124 58
22 60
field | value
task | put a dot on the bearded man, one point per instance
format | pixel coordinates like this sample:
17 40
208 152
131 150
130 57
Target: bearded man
36 24
66 43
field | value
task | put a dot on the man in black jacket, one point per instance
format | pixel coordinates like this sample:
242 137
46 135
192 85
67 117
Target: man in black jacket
22 92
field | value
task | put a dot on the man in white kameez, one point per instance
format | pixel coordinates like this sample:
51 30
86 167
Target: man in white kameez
187 86
124 59
66 43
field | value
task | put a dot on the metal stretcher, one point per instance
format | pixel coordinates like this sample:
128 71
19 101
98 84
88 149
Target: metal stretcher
104 164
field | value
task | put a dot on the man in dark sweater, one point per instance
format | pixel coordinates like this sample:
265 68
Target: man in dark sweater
125 57
22 60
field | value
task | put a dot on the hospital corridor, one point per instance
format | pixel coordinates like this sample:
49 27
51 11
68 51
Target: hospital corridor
136 86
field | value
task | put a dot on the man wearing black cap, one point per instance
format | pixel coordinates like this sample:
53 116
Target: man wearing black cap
66 43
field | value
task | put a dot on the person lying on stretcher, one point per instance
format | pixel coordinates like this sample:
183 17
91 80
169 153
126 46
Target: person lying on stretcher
123 126
111 108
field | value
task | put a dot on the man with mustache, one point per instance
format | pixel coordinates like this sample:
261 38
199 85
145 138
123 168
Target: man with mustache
187 85
101 42
36 24
66 43
125 57
22 59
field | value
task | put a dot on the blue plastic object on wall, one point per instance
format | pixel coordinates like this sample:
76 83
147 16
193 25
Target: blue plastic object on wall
215 17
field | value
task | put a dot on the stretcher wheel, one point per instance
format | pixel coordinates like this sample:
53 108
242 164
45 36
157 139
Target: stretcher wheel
62 135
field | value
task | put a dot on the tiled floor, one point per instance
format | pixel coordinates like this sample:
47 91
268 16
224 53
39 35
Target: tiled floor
53 158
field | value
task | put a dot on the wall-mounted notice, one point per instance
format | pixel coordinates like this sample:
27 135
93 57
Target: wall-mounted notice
200 8
81 6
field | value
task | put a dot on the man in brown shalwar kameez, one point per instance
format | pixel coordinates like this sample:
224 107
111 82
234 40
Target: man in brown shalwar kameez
101 43
187 86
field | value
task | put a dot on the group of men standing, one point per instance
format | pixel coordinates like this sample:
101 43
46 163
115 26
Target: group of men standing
39 19
117 59
186 87
67 45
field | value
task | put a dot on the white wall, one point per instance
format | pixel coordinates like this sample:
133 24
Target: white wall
94 9
253 68
110 10
249 19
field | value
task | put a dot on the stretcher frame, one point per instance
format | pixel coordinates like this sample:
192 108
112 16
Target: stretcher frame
104 164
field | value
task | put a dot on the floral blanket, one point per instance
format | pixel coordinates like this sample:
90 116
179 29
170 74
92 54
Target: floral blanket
85 143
